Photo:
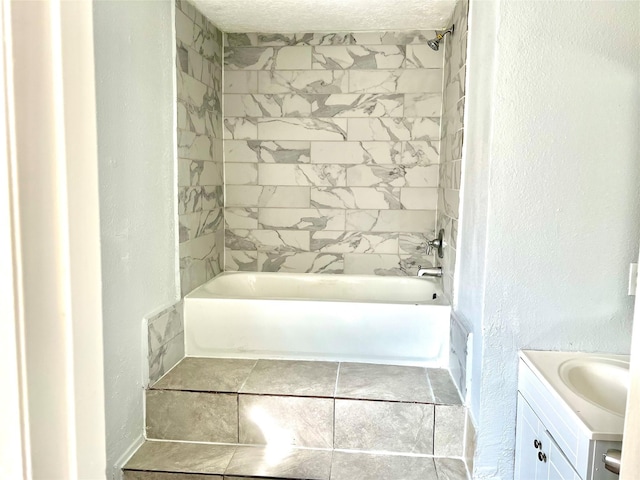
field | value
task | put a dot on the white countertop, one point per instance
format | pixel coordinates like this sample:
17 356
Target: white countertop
597 423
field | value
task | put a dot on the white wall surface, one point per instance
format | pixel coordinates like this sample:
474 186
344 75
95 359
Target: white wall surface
551 209
135 103
54 231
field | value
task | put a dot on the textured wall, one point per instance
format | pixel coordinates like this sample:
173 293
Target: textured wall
545 176
451 145
135 103
331 151
200 178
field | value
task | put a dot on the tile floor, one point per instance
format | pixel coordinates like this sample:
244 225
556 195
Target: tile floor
313 379
327 420
155 460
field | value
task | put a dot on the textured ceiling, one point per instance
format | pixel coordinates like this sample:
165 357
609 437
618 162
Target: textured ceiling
296 16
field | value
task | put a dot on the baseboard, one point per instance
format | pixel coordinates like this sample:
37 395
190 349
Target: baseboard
116 470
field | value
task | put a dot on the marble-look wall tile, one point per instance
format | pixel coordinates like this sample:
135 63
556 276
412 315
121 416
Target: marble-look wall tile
334 136
422 104
304 81
240 261
267 58
198 172
458 341
358 57
423 56
165 340
241 217
415 243
353 242
260 105
254 151
385 197
301 174
383 264
305 262
241 174
200 152
376 152
240 128
419 198
396 81
268 196
268 240
425 152
302 218
407 221
469 442
301 129
393 38
452 140
304 39
240 82
394 129
357 105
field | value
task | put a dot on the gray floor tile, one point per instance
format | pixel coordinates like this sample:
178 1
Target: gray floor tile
300 421
363 466
450 469
448 438
444 390
384 382
280 462
285 377
195 416
181 457
384 426
207 375
139 475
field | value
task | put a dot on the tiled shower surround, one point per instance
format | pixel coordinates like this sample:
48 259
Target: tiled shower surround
331 151
200 162
452 137
200 176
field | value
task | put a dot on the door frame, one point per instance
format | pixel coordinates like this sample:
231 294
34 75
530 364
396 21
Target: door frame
50 245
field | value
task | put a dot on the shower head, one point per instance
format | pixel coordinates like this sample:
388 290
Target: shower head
434 43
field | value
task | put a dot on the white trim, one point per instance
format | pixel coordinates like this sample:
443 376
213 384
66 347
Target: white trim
56 235
116 470
14 446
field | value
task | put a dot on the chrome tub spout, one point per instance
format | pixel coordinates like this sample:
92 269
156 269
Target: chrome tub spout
430 272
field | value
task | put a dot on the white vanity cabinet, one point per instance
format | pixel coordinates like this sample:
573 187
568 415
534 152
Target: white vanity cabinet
538 457
559 437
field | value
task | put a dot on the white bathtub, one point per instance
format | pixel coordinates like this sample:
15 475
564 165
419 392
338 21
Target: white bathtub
365 318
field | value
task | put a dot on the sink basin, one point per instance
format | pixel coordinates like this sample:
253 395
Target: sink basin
601 381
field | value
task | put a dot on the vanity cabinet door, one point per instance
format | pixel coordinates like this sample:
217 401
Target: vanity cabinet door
559 466
532 444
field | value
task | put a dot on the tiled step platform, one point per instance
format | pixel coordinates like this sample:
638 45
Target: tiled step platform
318 420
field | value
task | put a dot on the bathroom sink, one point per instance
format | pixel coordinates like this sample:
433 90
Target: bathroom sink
602 381
592 386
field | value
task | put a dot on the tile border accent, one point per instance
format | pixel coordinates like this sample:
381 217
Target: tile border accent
163 337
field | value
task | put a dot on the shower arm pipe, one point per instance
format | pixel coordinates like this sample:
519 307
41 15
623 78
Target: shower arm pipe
441 35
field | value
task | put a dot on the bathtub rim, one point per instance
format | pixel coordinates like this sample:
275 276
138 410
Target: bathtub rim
440 301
